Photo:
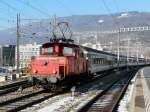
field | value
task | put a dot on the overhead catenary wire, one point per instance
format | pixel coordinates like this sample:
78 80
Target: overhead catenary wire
116 5
110 13
69 11
118 10
17 10
12 8
116 23
64 6
33 7
8 5
7 20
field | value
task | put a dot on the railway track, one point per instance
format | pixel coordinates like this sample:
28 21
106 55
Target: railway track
107 100
11 100
67 102
7 88
18 101
4 85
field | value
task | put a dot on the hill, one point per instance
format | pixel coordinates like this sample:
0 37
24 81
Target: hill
80 23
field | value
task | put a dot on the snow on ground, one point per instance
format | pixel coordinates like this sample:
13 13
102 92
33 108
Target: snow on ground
68 103
126 100
2 79
56 105
65 102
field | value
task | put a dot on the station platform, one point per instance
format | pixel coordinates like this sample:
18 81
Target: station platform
139 100
137 97
142 90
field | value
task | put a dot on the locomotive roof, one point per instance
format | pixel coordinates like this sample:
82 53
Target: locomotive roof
62 44
85 48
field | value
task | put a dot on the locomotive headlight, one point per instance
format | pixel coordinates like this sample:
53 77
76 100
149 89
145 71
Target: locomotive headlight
54 71
35 71
45 63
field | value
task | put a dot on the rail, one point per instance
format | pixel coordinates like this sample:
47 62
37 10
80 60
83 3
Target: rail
108 99
24 101
5 89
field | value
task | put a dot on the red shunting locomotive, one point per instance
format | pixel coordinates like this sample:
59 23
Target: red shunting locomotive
60 59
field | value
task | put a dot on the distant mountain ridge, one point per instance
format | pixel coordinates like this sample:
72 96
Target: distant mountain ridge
81 23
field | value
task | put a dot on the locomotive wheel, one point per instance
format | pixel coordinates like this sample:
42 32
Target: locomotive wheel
56 88
35 87
53 88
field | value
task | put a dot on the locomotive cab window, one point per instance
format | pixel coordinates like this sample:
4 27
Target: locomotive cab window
48 50
68 51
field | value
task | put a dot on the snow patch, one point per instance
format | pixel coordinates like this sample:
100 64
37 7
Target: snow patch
123 15
53 107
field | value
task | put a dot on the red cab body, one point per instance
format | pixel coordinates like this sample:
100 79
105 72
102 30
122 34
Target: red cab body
58 60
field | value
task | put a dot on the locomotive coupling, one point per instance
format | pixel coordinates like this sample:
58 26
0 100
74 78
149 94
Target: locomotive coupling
52 79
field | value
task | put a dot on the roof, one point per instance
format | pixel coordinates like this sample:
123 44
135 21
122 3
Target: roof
62 44
102 52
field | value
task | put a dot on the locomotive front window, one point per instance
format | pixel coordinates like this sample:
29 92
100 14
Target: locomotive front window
67 51
49 50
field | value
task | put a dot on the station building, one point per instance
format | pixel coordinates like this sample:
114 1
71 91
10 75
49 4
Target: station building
26 52
7 55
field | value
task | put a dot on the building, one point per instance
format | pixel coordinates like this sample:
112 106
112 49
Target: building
7 55
26 52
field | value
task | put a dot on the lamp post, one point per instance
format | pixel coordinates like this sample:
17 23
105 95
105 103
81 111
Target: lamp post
18 38
128 50
137 51
78 40
97 35
111 47
118 54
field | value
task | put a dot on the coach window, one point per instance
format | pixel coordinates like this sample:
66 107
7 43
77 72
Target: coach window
96 61
67 51
101 61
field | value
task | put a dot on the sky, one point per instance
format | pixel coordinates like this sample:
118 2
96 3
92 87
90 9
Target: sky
40 9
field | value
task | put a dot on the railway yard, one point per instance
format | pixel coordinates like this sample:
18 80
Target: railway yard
74 56
67 77
100 94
